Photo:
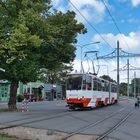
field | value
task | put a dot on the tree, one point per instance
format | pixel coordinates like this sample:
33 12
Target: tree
54 76
135 83
123 88
32 38
106 77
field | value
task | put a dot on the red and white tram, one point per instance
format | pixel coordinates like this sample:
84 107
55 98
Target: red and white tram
87 90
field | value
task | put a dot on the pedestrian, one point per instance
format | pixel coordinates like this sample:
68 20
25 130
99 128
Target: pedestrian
138 101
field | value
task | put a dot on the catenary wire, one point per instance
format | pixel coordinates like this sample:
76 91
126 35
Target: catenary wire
113 19
89 23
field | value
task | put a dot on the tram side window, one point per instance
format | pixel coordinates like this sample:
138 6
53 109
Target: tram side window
106 88
102 85
88 82
95 84
84 83
113 88
99 85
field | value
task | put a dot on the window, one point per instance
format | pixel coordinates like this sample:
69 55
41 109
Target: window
99 85
74 82
113 88
88 82
95 84
105 86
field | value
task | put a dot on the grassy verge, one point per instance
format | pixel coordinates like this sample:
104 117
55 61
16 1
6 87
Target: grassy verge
4 136
8 110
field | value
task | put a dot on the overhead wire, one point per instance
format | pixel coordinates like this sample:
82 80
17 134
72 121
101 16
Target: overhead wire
89 23
113 19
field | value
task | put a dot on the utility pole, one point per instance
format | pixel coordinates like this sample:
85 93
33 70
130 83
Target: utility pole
134 84
118 53
128 78
118 76
127 68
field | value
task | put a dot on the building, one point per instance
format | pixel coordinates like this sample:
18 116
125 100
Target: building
53 92
38 90
4 90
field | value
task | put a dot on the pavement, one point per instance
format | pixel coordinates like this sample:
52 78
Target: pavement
44 116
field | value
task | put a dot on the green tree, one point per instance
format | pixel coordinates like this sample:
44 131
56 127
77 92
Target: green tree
54 76
135 83
32 38
123 88
106 77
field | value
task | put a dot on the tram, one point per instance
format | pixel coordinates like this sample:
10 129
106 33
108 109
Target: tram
85 90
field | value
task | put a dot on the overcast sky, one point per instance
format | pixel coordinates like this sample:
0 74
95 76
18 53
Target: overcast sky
127 17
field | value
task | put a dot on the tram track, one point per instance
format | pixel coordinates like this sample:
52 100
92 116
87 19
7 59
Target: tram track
60 114
92 124
105 134
36 120
32 116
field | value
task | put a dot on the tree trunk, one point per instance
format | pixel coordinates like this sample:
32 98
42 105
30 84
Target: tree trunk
13 93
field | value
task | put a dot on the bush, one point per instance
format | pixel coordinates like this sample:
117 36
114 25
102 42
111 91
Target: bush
20 98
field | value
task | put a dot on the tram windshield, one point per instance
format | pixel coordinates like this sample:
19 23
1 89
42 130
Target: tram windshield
74 82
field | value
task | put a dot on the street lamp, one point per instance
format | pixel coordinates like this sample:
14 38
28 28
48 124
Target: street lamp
82 46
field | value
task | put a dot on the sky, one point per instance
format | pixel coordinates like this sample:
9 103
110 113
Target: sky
126 14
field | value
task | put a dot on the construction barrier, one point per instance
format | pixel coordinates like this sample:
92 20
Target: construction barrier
25 105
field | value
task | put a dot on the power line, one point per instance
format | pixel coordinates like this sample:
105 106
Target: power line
116 25
115 22
90 23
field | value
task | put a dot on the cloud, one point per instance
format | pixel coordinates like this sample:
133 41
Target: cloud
132 20
109 67
86 7
130 42
59 5
135 3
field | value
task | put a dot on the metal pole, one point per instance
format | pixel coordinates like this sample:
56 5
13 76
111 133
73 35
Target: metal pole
128 78
134 84
107 71
118 77
30 88
81 59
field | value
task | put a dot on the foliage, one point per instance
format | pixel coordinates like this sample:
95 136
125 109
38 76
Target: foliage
135 83
20 98
106 77
55 76
123 88
32 38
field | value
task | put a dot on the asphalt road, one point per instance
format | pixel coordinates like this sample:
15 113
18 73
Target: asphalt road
55 116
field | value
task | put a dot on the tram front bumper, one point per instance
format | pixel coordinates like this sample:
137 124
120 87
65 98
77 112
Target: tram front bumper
80 102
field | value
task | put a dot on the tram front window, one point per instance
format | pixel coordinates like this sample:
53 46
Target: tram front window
74 82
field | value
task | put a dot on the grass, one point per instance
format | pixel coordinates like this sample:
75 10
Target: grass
8 110
4 136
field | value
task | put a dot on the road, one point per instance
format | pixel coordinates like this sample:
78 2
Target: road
53 115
